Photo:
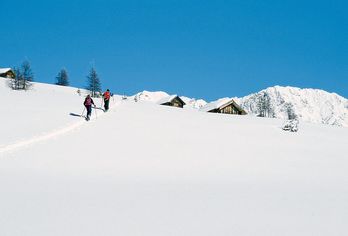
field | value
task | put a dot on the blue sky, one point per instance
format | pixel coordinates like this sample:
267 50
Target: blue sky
203 49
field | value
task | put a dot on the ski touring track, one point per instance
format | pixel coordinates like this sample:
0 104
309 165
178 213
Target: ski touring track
46 136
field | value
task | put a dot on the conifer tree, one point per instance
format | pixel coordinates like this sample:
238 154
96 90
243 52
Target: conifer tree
289 109
62 78
93 83
264 106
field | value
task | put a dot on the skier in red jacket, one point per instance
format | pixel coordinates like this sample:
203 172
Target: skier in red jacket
106 97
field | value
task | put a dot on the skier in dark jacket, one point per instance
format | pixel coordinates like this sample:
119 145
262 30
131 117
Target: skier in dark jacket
106 97
88 104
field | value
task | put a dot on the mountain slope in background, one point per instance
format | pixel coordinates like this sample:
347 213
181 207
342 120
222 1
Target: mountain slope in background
310 105
149 96
158 95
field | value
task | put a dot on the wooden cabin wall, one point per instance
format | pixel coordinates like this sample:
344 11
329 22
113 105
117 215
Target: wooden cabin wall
8 74
230 110
177 103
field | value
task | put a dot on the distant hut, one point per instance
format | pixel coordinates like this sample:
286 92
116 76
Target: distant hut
226 106
7 73
174 101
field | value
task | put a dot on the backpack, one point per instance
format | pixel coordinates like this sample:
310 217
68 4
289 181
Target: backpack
88 102
106 95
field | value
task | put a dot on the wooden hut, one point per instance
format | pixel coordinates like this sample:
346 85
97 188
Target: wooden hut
174 101
7 73
226 106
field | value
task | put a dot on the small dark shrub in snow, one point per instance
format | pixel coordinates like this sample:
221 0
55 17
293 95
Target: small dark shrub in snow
291 125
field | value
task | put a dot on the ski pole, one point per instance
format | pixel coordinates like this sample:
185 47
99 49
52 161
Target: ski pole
84 108
96 116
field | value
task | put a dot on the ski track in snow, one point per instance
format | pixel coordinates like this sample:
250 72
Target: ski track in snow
47 136
43 137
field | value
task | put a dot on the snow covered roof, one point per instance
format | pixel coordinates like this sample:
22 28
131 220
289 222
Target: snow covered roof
169 99
216 104
220 104
4 70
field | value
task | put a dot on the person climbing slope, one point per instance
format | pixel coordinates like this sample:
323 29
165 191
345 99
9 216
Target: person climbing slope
88 104
106 97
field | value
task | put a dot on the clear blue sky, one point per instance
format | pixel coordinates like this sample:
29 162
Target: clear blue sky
203 49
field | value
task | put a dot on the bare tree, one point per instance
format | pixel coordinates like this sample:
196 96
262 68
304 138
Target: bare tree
28 75
23 77
14 83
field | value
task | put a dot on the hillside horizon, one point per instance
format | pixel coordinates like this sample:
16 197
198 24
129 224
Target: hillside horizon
309 105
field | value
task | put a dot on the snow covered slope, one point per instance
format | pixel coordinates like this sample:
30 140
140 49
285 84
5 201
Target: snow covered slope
144 169
310 105
39 111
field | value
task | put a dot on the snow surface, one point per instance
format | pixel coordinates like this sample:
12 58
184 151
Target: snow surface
42 110
145 169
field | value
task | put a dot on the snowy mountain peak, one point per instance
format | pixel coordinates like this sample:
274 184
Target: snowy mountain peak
150 96
194 103
159 95
310 105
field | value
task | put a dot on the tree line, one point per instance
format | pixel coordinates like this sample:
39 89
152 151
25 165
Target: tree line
265 108
24 76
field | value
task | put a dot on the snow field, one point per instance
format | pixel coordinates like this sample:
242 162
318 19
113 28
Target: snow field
145 169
